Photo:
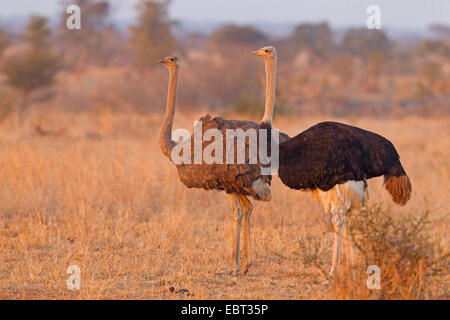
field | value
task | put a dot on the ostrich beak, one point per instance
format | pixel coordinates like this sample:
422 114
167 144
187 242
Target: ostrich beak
162 61
257 53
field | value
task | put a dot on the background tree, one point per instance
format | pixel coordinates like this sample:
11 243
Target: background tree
37 33
37 65
230 47
373 46
5 102
317 38
233 36
151 36
87 45
4 41
363 42
438 47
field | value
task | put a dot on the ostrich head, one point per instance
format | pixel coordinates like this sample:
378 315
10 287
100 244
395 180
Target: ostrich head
266 53
170 62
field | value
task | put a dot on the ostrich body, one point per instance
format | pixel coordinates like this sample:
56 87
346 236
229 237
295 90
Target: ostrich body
334 160
240 181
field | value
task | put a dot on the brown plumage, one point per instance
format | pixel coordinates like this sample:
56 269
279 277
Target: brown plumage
231 178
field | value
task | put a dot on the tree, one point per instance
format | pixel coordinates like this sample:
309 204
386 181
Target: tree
318 38
365 42
37 65
37 33
86 44
4 41
435 47
237 36
373 46
226 85
151 37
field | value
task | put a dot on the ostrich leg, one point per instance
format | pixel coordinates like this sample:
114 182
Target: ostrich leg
337 218
248 207
238 212
348 243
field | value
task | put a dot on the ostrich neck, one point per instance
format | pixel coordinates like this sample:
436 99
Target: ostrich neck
165 135
270 90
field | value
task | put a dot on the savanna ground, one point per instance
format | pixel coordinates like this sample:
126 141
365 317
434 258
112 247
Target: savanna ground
94 190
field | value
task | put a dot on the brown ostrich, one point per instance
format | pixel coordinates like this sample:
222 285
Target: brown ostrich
334 160
239 181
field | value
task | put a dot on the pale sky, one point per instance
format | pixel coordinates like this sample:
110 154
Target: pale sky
405 14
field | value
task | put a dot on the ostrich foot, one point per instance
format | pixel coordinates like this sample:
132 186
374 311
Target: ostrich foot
332 272
235 272
244 270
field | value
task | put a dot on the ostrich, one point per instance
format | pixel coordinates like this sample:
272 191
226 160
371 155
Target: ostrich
334 160
239 181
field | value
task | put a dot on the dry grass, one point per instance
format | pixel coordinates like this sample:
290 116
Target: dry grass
94 190
413 263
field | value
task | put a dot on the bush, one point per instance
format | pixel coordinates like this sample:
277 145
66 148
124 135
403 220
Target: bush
37 65
31 70
412 264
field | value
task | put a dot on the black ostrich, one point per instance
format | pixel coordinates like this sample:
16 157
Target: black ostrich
334 160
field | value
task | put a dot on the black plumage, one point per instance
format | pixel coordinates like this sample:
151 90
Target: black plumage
331 153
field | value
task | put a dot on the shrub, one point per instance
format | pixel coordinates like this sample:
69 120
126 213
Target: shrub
411 263
31 70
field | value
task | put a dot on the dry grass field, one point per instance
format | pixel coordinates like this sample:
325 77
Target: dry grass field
94 190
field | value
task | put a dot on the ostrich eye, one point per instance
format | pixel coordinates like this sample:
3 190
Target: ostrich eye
266 51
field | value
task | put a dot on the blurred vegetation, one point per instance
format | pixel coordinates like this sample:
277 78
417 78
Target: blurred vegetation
413 264
317 38
247 105
251 106
364 42
408 257
4 41
151 36
320 71
237 37
36 66
88 44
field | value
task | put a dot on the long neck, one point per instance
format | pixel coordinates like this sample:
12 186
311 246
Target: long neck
271 65
165 135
